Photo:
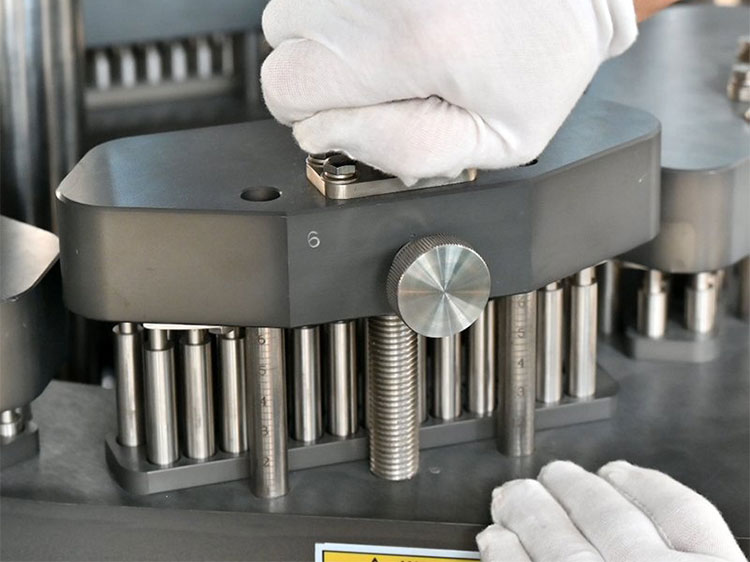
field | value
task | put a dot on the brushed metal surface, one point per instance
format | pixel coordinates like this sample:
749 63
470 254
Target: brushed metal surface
438 285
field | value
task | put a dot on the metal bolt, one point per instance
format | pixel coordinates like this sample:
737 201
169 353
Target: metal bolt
392 398
339 167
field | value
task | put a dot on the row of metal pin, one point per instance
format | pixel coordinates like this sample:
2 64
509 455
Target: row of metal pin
701 303
252 408
126 66
700 307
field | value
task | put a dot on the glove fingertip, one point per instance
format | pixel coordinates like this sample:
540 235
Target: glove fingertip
558 467
614 468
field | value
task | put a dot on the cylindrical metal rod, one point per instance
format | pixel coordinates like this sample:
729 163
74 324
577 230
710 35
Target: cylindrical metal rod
701 297
653 300
515 434
62 23
308 414
23 131
160 400
482 368
744 300
197 388
447 388
41 109
231 356
422 404
129 373
608 281
549 347
266 404
341 375
394 422
582 351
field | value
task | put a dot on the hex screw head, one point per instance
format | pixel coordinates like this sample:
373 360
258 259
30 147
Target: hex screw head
339 167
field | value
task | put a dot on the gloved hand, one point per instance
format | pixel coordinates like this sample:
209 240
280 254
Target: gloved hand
625 514
427 88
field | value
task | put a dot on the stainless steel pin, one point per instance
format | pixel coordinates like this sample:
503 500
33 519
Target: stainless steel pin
549 348
232 390
482 369
583 334
128 357
266 391
447 378
160 399
306 391
341 376
515 432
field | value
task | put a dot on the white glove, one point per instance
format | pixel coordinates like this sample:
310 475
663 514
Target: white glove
427 88
625 514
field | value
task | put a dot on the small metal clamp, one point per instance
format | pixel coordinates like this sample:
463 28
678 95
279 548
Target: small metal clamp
337 176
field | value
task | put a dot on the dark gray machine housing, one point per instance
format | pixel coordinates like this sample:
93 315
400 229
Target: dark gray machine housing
678 70
220 226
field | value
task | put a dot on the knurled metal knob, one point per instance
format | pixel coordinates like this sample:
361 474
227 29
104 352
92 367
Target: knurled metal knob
438 285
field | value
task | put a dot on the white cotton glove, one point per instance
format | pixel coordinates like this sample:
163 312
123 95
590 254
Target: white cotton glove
625 514
427 88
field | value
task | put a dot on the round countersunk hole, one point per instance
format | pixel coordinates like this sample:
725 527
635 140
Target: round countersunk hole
534 161
261 194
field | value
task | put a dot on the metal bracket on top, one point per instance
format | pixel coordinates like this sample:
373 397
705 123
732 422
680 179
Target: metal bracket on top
338 177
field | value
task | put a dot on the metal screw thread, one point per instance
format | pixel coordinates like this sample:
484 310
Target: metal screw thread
393 398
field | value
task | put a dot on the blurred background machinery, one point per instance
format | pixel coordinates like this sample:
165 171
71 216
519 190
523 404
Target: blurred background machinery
700 251
31 320
244 317
77 73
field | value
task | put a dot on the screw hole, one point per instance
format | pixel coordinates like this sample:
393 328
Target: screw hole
260 194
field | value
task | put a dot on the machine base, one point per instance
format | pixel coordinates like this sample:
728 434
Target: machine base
135 474
20 447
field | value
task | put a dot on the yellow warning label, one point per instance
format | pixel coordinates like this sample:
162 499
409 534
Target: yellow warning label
330 556
341 552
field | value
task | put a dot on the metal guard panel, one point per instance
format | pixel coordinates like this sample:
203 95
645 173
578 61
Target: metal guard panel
154 228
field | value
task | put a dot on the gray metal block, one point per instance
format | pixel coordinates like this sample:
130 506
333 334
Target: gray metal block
134 473
156 229
31 312
20 447
678 344
705 140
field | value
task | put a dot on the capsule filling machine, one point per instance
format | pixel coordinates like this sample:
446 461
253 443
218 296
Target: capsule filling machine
218 230
200 245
